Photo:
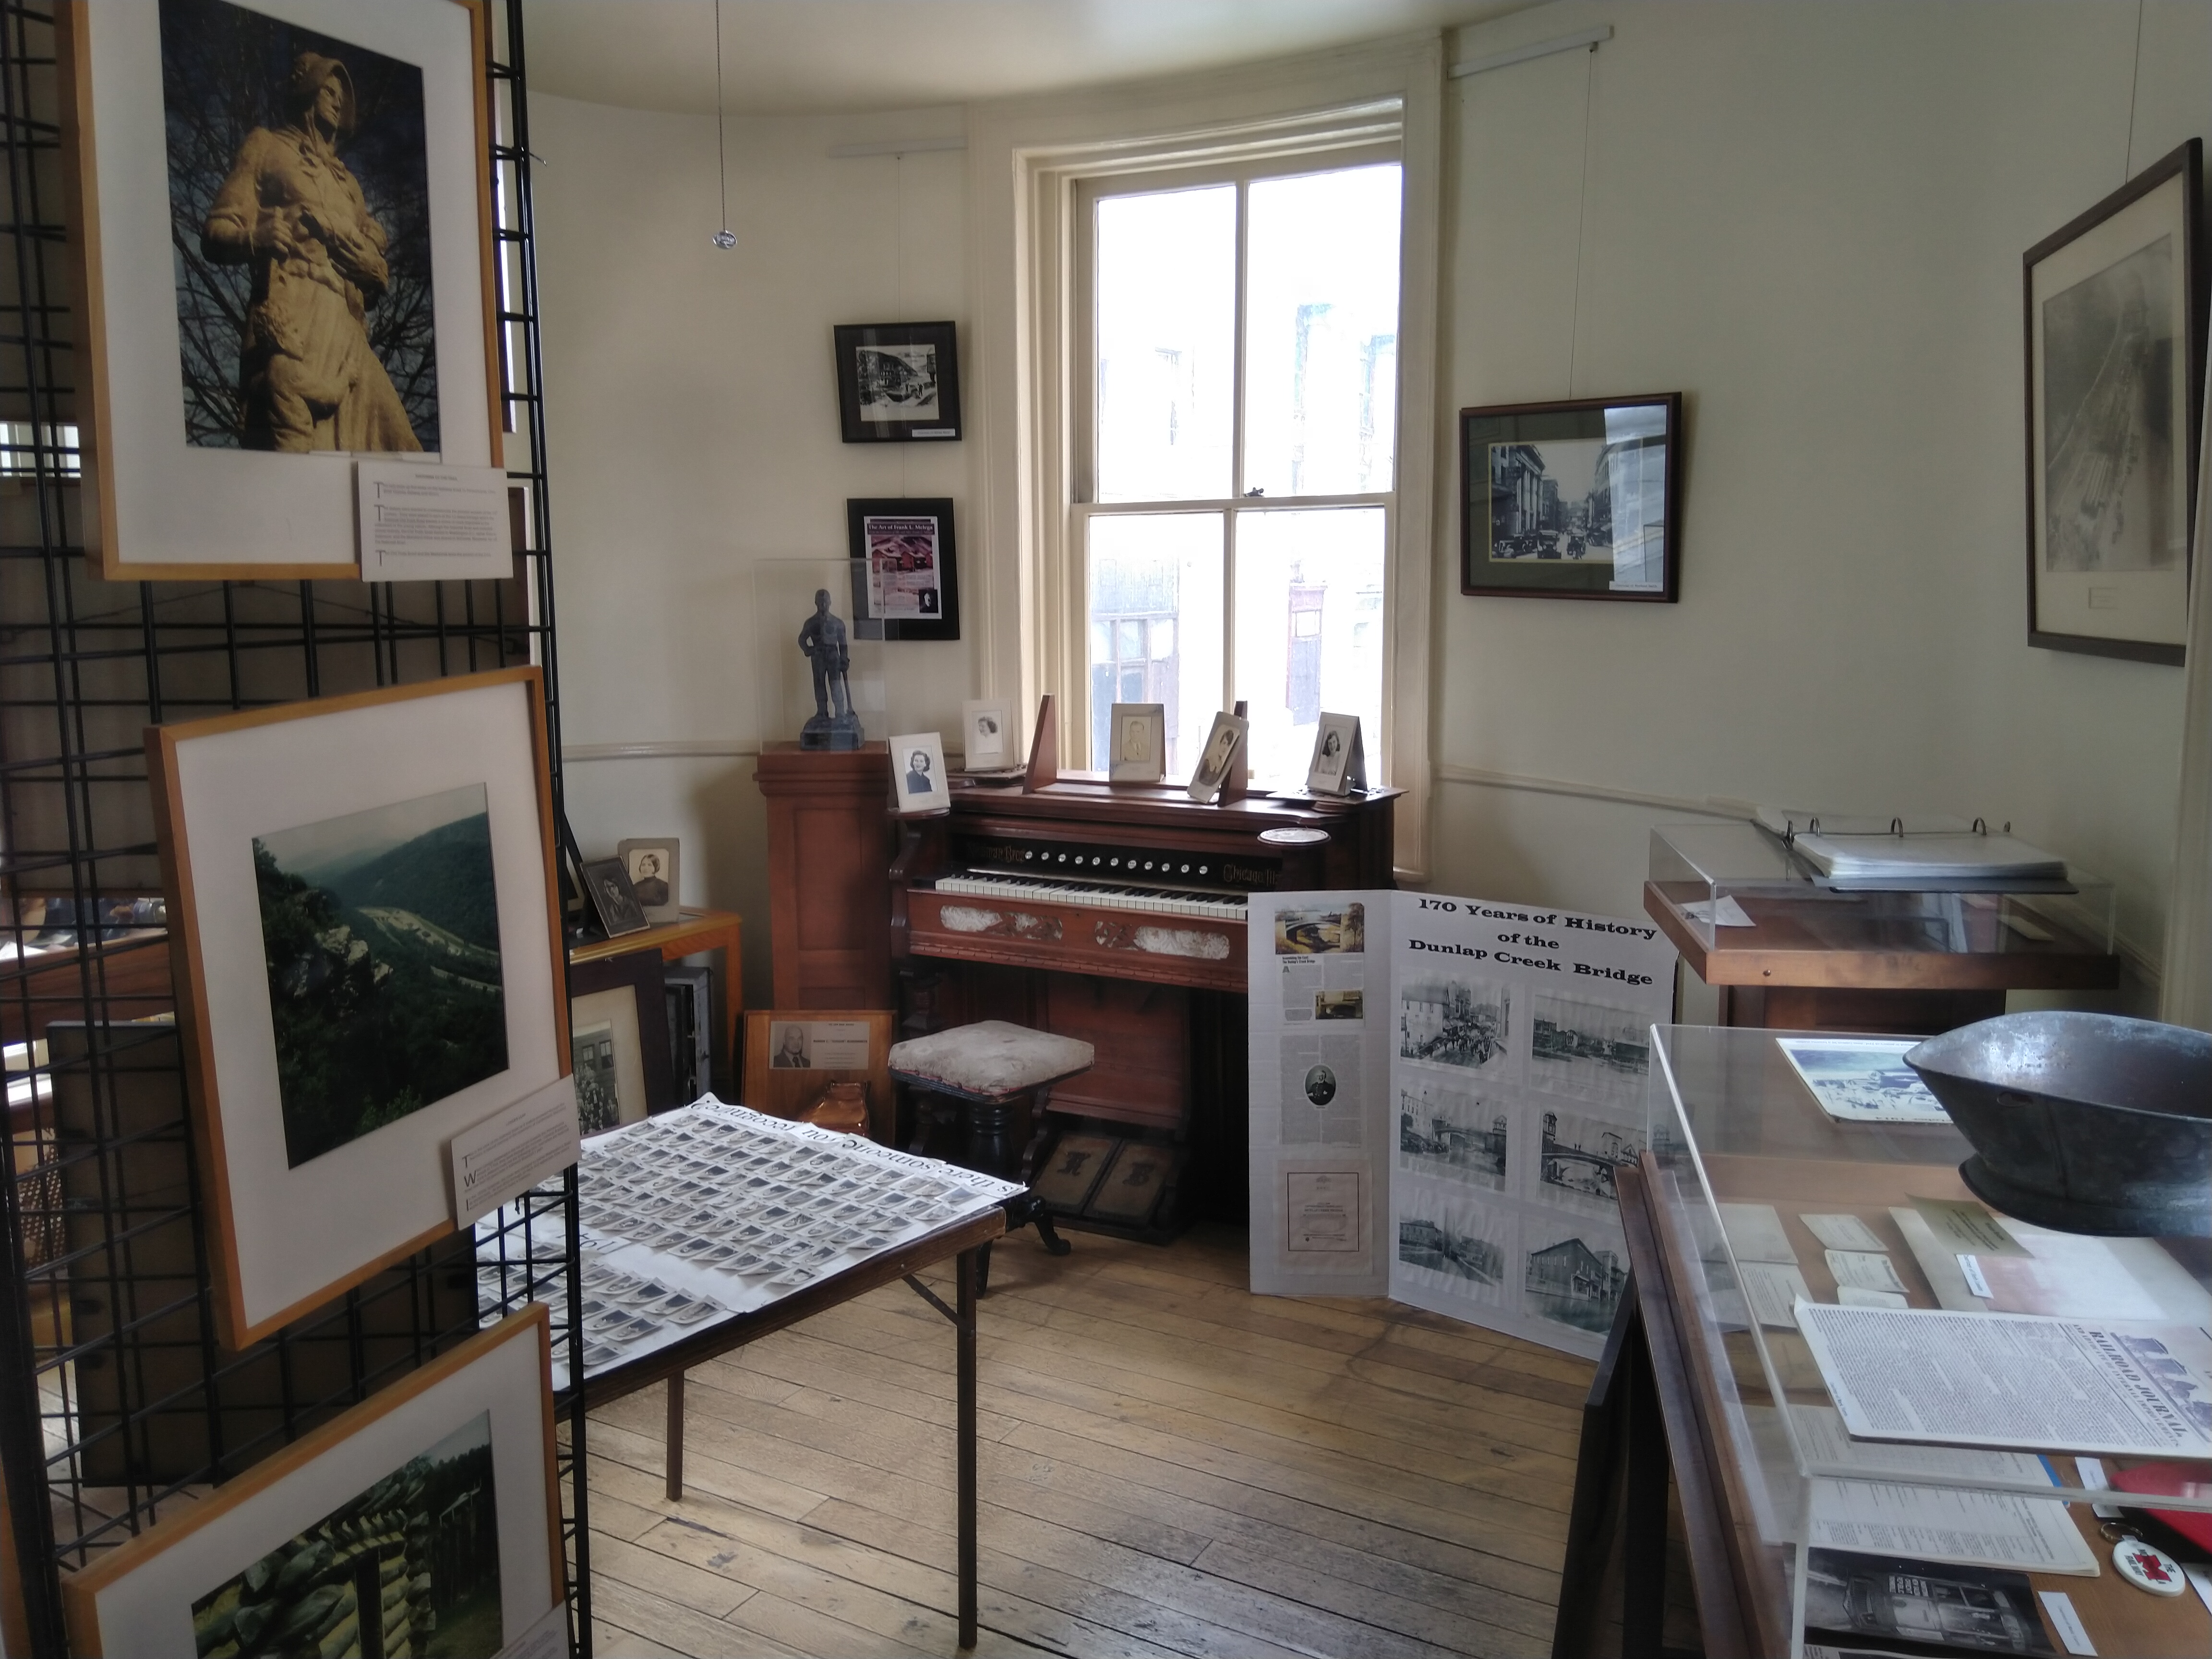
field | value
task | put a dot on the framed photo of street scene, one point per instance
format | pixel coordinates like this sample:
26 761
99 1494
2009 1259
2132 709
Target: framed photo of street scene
365 928
1576 500
898 382
429 1507
906 568
287 267
2115 358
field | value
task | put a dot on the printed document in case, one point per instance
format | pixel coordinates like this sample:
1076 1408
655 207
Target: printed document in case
2020 1381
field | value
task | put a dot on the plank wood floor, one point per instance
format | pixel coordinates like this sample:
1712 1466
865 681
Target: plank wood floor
1169 1466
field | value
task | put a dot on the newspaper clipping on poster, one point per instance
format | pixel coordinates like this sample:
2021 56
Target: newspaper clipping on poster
1443 1089
903 570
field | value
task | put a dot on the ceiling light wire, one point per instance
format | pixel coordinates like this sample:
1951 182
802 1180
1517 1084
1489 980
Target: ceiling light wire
725 239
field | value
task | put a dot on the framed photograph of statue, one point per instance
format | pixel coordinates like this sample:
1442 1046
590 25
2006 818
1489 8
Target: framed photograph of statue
898 382
906 568
1574 500
2115 359
287 266
425 1520
364 925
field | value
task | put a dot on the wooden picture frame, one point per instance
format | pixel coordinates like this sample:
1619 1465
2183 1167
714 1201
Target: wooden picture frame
1540 486
785 1090
307 1194
629 995
2115 406
182 482
650 859
489 1400
906 568
898 382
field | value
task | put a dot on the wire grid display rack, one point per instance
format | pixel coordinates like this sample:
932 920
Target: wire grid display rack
119 1404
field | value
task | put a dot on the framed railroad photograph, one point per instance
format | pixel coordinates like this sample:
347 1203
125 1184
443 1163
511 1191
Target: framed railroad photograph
906 568
427 1519
898 382
2115 359
1578 500
286 216
367 958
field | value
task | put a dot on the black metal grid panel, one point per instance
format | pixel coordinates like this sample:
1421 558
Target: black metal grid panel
118 1402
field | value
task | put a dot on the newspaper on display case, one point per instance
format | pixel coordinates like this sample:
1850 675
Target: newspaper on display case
1441 1091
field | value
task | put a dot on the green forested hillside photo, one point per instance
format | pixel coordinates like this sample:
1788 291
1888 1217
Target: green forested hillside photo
381 934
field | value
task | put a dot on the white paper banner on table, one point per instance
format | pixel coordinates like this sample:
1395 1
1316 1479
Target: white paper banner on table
1469 1076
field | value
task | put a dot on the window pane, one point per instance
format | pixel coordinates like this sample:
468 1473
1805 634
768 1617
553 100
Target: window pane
1310 625
1166 317
1163 568
1322 333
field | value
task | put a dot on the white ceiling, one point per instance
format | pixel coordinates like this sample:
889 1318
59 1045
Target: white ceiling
789 56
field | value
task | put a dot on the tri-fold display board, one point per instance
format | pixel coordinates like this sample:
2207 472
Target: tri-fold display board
1441 1091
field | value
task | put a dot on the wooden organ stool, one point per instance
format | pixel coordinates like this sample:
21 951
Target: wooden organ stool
981 1080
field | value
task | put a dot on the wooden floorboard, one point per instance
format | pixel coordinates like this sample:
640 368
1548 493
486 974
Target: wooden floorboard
1169 1466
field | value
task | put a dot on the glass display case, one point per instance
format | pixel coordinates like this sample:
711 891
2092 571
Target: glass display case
783 600
1758 1197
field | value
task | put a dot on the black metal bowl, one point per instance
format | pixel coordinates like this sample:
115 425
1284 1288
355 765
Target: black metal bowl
2088 1123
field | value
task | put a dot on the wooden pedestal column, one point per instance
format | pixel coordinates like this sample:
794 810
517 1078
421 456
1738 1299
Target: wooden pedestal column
828 872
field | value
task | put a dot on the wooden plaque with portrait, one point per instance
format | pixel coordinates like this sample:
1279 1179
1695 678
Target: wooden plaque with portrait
793 1056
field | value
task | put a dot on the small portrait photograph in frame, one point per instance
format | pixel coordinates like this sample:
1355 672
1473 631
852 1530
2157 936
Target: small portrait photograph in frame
653 864
607 881
898 382
1138 734
989 740
1340 761
918 771
1223 744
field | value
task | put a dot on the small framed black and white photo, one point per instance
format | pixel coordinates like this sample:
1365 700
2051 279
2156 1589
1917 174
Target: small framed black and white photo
607 881
906 570
898 382
1339 757
1223 744
2115 367
1577 499
653 865
1139 738
988 735
918 771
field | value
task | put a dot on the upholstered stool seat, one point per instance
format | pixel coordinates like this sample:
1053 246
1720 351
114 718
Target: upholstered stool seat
985 1073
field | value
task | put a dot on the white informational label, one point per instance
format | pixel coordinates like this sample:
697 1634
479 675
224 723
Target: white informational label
1949 1523
818 1045
513 1150
2059 1606
546 1639
1483 1066
432 523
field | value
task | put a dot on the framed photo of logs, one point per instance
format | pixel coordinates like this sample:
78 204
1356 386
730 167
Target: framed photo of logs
287 265
429 1506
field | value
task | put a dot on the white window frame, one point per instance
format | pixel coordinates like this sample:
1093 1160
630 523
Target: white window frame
1026 158
1234 508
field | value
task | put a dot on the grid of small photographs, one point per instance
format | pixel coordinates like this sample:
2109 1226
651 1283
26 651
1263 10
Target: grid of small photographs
1515 1106
712 1210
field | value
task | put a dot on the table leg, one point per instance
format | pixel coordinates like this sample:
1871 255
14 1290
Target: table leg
676 1439
965 1336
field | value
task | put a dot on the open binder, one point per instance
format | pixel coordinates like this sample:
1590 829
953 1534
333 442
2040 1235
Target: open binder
1932 854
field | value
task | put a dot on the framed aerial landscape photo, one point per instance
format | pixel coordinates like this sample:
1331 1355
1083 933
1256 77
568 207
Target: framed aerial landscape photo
424 1520
898 382
1577 499
2115 359
364 918
286 210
